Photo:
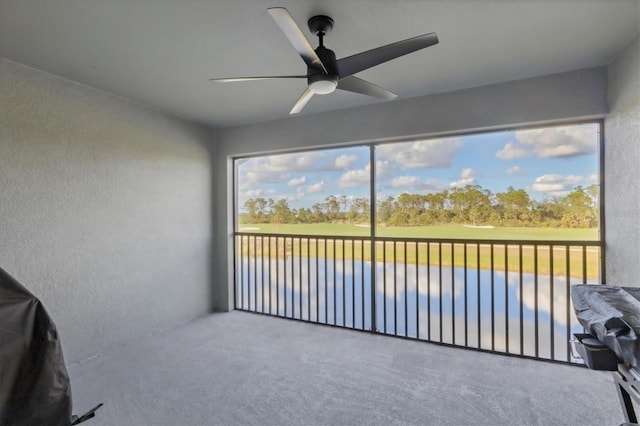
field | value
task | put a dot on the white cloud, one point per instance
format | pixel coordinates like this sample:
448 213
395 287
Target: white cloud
565 141
353 178
467 177
277 168
415 184
344 161
316 187
297 181
290 162
252 178
433 153
402 181
513 150
383 169
556 184
515 170
253 193
542 298
361 177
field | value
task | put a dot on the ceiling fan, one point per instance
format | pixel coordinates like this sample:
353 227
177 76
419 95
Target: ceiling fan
324 72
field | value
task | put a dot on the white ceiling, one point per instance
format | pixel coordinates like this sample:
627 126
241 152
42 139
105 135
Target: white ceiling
162 52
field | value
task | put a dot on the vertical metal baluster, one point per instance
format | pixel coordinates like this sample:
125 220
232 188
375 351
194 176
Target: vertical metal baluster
551 303
568 299
406 302
384 285
300 276
466 298
362 275
417 292
584 264
440 288
293 282
269 272
493 301
284 273
241 272
248 286
521 311
395 288
353 283
277 276
344 300
335 284
308 279
317 281
326 277
453 295
478 295
535 302
429 290
255 272
249 273
506 296
262 269
235 271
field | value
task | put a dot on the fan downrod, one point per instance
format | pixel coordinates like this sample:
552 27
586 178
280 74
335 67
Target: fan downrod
320 25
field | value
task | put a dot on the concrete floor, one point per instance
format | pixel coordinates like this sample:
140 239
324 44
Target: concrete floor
240 368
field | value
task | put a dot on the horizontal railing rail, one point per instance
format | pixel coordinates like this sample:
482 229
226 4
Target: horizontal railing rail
504 296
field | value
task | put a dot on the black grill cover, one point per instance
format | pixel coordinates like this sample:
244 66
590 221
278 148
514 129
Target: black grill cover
612 314
34 383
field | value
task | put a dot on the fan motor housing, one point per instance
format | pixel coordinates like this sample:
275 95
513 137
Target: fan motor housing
319 82
322 84
320 24
328 59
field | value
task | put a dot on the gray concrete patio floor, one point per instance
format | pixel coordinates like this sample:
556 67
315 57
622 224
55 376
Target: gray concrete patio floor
240 368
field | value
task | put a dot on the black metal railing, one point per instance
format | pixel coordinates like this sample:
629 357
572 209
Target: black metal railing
502 296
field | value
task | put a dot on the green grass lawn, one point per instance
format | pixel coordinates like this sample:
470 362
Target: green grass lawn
446 255
442 231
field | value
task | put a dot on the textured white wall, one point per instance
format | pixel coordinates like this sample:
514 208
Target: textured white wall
567 96
622 169
105 210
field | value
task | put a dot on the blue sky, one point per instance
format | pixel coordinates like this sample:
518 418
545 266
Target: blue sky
545 162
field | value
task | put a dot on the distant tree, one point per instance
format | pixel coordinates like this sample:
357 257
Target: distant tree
385 210
251 215
359 210
254 208
468 204
436 206
578 209
317 213
344 200
514 204
333 208
304 215
281 212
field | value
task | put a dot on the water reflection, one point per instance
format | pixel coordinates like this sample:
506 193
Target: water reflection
505 312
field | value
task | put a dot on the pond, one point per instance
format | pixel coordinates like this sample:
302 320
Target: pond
518 313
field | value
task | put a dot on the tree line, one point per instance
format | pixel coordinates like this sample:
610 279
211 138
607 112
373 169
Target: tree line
470 204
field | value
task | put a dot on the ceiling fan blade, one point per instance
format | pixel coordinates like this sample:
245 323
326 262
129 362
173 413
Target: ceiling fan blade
358 85
237 79
364 60
301 102
296 37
